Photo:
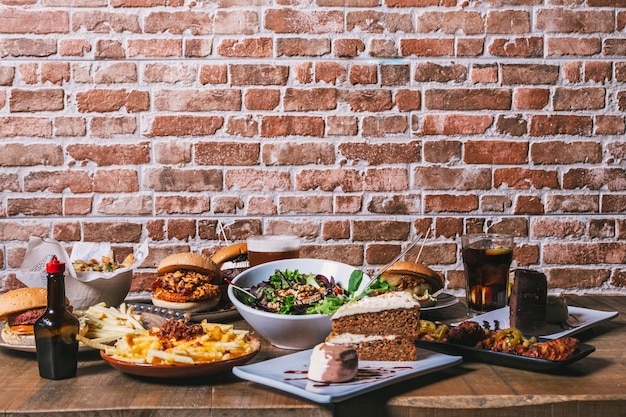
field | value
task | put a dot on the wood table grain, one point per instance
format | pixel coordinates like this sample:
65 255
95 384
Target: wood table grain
592 387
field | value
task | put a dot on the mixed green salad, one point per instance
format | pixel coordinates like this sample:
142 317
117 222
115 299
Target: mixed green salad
293 292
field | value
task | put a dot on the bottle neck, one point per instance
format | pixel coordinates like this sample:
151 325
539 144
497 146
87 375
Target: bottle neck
56 292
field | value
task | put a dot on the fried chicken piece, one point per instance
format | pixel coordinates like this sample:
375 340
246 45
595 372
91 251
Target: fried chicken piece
467 333
553 350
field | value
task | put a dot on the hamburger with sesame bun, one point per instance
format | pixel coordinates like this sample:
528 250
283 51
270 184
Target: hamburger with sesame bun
20 309
232 260
415 278
187 282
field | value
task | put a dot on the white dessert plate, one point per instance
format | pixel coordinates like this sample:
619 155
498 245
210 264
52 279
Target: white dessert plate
443 300
289 373
580 320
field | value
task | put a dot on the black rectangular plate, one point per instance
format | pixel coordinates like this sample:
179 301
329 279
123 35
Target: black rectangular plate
505 359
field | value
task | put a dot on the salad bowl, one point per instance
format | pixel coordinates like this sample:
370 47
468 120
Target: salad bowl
292 331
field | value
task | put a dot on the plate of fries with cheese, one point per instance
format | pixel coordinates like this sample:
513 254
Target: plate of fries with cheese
175 348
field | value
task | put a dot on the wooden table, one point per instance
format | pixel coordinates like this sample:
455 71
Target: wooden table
594 386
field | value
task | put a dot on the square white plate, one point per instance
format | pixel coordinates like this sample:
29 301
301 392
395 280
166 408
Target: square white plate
581 318
289 373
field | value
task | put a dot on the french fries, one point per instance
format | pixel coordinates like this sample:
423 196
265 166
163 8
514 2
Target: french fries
122 336
107 264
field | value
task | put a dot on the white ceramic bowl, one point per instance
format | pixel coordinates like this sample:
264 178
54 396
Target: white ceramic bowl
290 331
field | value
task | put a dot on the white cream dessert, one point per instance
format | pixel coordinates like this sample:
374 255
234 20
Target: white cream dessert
391 300
331 363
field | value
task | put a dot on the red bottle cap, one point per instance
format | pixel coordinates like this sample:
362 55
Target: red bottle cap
54 266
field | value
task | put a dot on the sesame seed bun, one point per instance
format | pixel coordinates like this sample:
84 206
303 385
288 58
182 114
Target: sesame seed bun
189 261
422 274
22 299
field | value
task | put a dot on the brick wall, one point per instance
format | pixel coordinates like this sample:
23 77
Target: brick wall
355 124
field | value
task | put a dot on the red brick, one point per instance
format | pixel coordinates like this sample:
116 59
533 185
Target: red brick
614 47
468 99
395 204
374 126
226 153
66 232
171 153
363 74
14 21
302 47
342 126
529 74
242 126
155 48
330 72
346 253
165 73
188 180
22 230
572 203
442 151
74 47
264 74
34 206
273 126
103 22
321 99
9 182
22 47
612 203
261 99
585 253
372 21
109 49
525 178
182 204
297 153
598 71
495 152
347 48
115 180
135 205
427 47
70 126
561 20
531 98
528 204
559 152
257 180
261 206
198 100
348 204
336 230
408 100
108 127
572 71
570 46
367 100
303 21
198 48
601 228
383 48
213 74
508 22
40 100
558 228
330 180
380 230
435 124
487 73
495 203
444 203
305 205
303 72
105 155
395 75
246 48
432 72
114 232
444 178
108 100
590 98
448 227
577 278
227 204
512 126
28 73
613 179
451 23
57 181
390 153
470 47
16 155
55 72
77 206
184 125
546 125
530 47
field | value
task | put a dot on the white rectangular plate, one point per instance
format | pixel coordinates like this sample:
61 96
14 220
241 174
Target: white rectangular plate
289 373
583 318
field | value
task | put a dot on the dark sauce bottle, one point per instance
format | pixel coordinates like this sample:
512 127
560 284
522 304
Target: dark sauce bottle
56 329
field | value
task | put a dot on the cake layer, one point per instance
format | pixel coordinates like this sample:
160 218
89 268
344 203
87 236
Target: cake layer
402 321
377 347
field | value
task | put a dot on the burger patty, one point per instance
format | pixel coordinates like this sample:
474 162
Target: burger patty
25 317
183 286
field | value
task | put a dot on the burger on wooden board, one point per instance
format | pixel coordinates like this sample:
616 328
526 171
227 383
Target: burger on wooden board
20 309
415 278
187 282
232 260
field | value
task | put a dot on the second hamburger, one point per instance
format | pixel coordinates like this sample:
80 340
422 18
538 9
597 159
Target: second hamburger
415 278
187 282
